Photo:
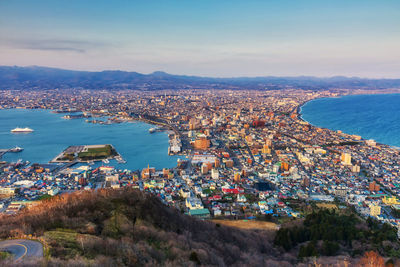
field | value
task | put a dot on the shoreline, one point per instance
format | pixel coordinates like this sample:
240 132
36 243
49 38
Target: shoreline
300 117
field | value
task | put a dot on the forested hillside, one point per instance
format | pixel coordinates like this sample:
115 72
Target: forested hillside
126 227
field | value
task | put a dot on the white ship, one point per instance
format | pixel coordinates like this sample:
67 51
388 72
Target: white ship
22 130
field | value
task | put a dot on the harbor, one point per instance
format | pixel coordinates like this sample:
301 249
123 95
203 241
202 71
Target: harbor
53 134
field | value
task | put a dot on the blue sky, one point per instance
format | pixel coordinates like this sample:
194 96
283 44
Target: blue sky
205 37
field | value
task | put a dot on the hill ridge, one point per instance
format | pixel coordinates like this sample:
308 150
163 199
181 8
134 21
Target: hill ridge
38 77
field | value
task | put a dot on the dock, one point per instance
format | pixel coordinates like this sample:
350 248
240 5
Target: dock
12 150
64 166
3 151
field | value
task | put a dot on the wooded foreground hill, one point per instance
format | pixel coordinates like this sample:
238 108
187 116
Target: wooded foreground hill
127 227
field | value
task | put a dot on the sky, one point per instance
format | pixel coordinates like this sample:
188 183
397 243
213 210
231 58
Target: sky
215 38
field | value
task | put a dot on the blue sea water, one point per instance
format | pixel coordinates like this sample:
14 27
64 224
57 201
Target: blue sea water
371 116
52 134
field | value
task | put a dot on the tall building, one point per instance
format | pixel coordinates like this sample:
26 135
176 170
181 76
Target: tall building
236 178
374 187
214 174
355 169
266 149
204 168
370 142
7 191
202 143
146 172
346 158
284 166
374 210
194 124
217 163
249 139
268 143
228 163
165 172
306 181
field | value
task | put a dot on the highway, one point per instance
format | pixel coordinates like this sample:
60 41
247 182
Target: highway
22 248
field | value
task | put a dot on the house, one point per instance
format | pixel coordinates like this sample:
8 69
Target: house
217 212
241 198
194 203
199 213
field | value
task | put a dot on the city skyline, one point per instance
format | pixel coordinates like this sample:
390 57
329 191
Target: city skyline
224 39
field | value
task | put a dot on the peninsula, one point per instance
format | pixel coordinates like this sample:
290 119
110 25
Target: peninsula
87 153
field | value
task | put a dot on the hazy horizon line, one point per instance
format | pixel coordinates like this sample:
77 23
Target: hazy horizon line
206 76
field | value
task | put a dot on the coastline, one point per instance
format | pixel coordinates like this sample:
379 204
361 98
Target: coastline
300 114
299 108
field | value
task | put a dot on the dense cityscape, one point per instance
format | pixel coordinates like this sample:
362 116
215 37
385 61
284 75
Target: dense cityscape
199 133
248 154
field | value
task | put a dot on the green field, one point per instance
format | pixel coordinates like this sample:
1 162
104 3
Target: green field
92 153
98 153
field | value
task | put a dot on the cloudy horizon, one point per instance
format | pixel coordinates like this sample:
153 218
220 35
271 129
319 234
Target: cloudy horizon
204 38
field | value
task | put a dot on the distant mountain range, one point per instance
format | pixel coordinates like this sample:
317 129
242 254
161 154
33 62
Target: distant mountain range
34 77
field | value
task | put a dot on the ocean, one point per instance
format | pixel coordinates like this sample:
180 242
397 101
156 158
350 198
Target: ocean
52 134
370 116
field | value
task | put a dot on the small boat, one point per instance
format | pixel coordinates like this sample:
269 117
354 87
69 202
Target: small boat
16 149
120 159
152 130
106 161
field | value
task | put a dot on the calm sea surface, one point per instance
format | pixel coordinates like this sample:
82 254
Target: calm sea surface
52 134
371 116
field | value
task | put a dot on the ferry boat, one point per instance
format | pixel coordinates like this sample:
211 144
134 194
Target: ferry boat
22 130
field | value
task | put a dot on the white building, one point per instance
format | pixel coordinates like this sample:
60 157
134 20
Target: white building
214 174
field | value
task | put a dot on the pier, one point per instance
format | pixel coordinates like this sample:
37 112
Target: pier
12 150
3 151
66 165
156 121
